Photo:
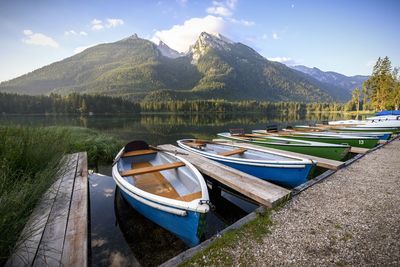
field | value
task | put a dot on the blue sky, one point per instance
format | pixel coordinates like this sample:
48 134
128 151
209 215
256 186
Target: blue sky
342 36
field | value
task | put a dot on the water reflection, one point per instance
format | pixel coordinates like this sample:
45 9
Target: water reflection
167 128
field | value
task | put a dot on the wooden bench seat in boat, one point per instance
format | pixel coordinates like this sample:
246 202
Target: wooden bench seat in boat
156 183
151 168
138 152
233 152
195 144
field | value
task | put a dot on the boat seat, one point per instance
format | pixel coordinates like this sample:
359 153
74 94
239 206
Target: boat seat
151 168
139 152
232 152
156 183
195 144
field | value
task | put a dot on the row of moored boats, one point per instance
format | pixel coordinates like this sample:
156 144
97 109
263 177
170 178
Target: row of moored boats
170 191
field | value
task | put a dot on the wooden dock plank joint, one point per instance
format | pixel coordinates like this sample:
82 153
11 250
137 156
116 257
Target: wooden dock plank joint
265 193
56 232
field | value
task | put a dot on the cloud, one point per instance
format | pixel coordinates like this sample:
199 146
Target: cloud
242 22
111 23
224 9
285 60
97 24
180 37
219 10
275 36
39 39
81 48
292 5
72 32
264 36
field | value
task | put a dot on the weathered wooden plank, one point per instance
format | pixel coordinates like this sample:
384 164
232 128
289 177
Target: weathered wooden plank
359 150
321 162
52 242
263 192
28 243
75 250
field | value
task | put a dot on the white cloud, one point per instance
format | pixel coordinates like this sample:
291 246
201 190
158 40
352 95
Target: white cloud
292 5
180 37
219 10
81 48
264 36
111 23
275 36
97 24
224 9
284 60
70 32
242 22
38 39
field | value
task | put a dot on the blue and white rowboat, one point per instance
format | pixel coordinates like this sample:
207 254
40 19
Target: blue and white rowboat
164 188
275 167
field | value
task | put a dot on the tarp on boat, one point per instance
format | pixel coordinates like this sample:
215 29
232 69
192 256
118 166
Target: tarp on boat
388 112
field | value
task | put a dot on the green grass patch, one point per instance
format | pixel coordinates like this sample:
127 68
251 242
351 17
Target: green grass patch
30 159
220 252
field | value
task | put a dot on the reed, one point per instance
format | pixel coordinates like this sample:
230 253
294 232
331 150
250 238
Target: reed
30 158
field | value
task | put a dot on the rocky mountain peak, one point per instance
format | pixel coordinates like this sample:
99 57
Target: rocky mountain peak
168 51
205 41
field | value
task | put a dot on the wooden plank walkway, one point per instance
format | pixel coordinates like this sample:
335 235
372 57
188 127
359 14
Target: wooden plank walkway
57 231
321 162
263 192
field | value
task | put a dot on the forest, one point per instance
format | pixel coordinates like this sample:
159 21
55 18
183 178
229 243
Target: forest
97 104
381 91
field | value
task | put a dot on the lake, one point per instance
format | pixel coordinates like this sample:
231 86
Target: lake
167 128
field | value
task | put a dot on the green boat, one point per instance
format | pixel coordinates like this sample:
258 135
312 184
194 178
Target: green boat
341 139
318 149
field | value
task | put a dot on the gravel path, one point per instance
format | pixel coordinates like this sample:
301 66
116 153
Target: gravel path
350 219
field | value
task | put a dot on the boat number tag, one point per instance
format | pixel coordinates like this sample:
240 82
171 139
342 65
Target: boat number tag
360 142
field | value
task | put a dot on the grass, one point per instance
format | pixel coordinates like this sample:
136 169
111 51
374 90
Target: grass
220 252
30 159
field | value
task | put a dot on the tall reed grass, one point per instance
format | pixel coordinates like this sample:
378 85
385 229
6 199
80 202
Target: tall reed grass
29 161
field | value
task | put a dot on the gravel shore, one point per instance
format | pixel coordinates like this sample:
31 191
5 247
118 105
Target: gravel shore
350 219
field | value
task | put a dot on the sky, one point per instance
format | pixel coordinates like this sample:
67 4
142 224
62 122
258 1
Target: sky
342 36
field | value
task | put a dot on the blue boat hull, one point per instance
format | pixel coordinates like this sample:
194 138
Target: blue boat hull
189 228
288 177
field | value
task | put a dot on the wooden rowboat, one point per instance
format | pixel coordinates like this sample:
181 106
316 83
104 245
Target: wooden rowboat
323 150
164 188
279 168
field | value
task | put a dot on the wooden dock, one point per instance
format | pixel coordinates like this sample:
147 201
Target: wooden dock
263 192
57 231
321 162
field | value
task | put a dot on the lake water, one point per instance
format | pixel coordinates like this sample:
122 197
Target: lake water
167 128
119 235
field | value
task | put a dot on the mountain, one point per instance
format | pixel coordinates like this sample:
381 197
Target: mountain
135 68
344 83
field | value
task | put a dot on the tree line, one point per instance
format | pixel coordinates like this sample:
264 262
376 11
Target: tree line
98 104
381 90
70 104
